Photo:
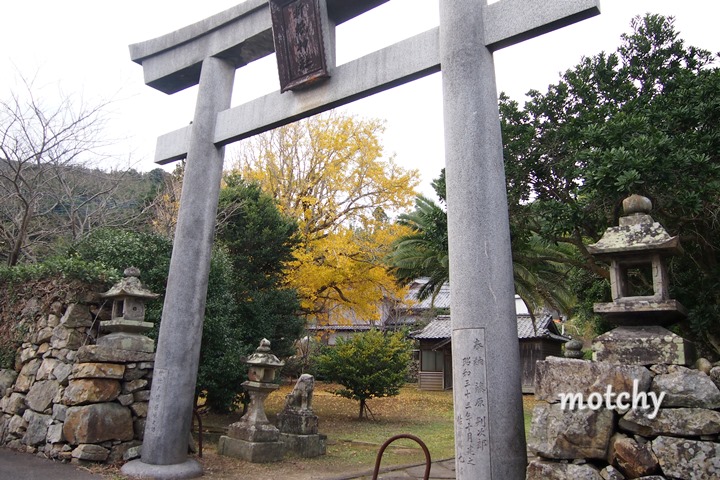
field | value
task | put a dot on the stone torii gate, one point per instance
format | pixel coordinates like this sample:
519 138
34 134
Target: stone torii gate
489 431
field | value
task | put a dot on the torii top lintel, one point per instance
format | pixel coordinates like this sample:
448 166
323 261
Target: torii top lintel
244 34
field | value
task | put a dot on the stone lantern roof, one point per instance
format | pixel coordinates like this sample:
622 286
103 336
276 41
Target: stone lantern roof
130 286
263 357
637 233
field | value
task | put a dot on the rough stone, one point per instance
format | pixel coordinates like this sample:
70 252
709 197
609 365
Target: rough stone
140 409
62 372
17 425
43 335
43 348
53 320
117 452
37 427
611 473
305 446
27 375
28 352
134 385
94 353
690 422
98 423
14 404
139 427
684 387
41 395
644 345
567 434
91 390
46 368
715 376
544 470
90 452
64 337
58 412
141 396
55 433
126 399
633 459
127 341
98 370
684 458
77 316
133 373
555 376
703 364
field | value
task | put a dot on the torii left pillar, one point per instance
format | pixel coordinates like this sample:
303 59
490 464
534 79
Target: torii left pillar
176 359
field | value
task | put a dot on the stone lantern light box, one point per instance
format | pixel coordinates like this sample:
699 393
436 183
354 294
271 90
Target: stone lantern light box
637 250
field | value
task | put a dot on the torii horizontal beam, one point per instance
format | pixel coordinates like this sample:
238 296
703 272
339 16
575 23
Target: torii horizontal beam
243 33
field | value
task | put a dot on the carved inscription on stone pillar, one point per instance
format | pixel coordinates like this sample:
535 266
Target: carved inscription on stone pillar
471 416
297 32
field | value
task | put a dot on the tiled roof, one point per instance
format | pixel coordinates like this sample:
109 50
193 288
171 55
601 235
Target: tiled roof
545 328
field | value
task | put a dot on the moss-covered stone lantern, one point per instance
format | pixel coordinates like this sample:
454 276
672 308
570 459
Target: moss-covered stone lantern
127 323
637 251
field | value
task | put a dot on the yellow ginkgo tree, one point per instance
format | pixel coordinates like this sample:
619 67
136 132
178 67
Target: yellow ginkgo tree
329 173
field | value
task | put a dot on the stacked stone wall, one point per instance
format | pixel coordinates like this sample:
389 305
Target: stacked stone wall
68 398
681 442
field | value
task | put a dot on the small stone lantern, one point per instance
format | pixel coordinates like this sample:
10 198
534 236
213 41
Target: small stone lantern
637 250
253 438
127 323
639 245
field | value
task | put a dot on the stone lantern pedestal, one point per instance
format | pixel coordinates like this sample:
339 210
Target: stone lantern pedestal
253 438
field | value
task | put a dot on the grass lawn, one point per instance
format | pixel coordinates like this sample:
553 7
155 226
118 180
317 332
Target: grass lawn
353 444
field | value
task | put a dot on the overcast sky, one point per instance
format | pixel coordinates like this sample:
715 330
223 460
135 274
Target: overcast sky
81 46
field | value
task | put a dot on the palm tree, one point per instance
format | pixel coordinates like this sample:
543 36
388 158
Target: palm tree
540 269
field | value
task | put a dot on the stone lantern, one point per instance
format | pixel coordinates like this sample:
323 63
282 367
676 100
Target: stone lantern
126 328
637 251
253 437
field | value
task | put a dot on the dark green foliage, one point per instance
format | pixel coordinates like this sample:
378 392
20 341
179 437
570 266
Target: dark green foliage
644 119
369 365
259 241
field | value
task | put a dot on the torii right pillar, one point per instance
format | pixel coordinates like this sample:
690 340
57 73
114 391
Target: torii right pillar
489 426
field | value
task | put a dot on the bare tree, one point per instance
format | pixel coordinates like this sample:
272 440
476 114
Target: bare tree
48 186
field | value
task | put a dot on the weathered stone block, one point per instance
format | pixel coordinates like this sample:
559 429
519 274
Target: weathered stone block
134 385
298 423
76 316
59 411
141 396
646 345
62 372
139 427
17 426
567 434
117 452
7 378
127 341
27 375
126 399
89 452
43 335
37 427
544 470
91 390
94 353
133 373
684 458
633 459
686 422
611 473
41 395
46 368
684 387
98 423
97 370
555 376
305 446
55 433
64 337
255 452
14 404
140 409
